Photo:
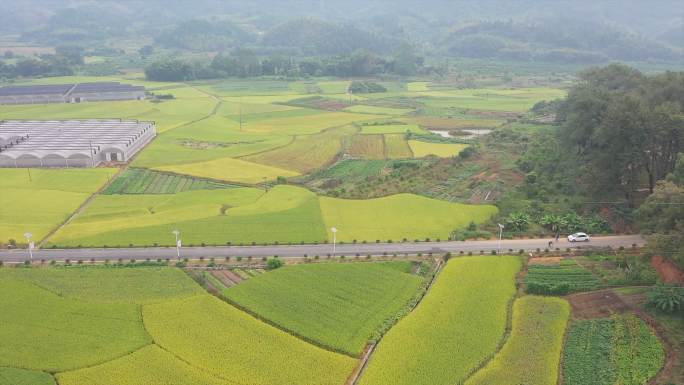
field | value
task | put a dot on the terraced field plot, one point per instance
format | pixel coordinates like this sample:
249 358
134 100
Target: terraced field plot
532 353
514 100
367 147
13 376
336 305
366 109
442 150
43 331
143 181
238 215
617 350
307 152
230 170
44 201
397 147
392 129
456 326
245 215
399 216
241 348
558 279
109 284
150 365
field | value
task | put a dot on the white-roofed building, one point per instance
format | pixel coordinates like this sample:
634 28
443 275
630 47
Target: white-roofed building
71 143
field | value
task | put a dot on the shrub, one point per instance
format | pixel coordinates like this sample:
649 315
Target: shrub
666 298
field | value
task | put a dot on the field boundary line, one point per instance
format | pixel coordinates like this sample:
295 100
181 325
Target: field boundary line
216 293
82 206
507 331
179 358
294 137
354 380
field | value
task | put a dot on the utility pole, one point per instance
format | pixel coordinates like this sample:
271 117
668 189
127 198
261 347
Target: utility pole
501 227
29 243
92 160
334 232
178 242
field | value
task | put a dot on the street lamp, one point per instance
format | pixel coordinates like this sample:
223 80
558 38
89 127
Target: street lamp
30 244
501 227
178 242
334 231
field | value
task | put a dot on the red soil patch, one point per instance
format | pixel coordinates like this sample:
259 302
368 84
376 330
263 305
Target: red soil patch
597 304
545 260
668 272
332 105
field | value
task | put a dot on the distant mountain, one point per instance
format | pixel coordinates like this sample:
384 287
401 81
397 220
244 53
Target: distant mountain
674 36
203 35
316 37
554 40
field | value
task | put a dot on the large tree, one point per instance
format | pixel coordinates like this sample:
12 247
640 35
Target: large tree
625 130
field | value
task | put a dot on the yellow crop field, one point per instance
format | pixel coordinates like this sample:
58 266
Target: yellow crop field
399 216
532 353
43 202
150 365
442 150
230 169
239 215
307 152
301 125
226 342
367 146
456 326
365 109
392 129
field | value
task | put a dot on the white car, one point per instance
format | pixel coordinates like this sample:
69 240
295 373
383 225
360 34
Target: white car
578 237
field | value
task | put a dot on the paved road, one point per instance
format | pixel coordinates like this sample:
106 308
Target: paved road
311 250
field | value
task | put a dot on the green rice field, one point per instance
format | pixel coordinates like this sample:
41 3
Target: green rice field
245 215
617 350
39 200
336 305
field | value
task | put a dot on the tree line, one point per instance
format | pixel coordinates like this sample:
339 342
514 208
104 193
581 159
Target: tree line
243 62
618 143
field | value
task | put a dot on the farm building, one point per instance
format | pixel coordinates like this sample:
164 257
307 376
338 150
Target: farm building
71 143
70 93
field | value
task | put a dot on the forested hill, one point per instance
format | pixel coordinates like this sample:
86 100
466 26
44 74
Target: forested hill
311 36
559 40
524 30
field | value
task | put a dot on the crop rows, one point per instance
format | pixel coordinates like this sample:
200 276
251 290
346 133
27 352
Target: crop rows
144 181
336 305
532 352
457 325
617 350
563 278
